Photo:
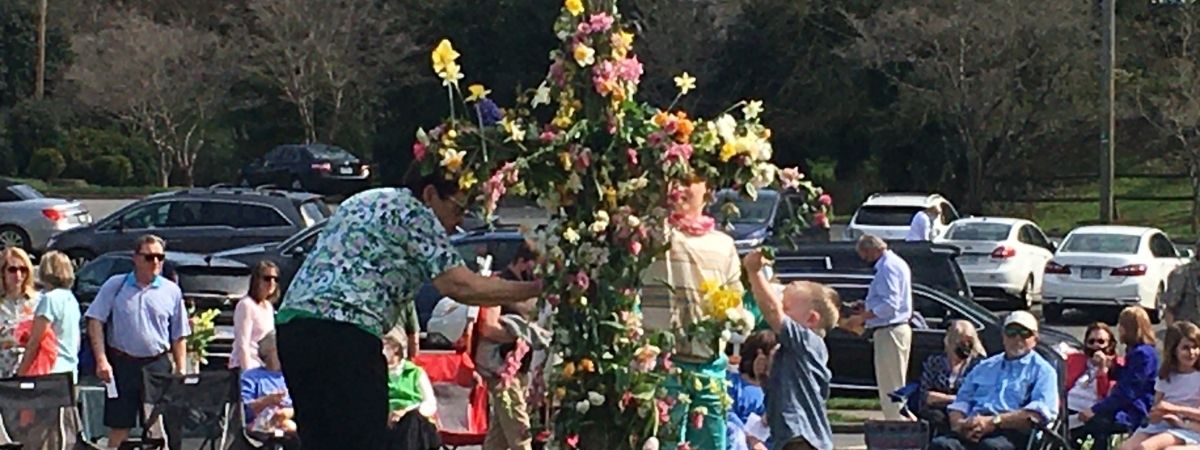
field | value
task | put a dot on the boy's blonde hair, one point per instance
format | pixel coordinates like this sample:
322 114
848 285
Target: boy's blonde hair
824 300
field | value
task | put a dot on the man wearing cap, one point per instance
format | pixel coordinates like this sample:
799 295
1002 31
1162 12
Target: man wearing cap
1000 398
1183 293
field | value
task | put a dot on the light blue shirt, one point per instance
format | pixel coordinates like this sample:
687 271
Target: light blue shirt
798 389
60 307
142 321
999 385
890 294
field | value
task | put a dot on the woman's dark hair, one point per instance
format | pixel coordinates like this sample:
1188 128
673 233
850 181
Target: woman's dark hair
415 181
764 341
1111 348
1176 333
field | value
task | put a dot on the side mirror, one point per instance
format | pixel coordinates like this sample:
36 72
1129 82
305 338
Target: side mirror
298 250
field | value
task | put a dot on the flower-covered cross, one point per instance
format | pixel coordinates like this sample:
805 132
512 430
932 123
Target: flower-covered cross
606 168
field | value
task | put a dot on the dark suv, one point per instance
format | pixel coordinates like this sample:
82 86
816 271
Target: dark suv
317 168
201 220
206 282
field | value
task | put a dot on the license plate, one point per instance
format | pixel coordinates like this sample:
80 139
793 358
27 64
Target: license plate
347 171
1090 273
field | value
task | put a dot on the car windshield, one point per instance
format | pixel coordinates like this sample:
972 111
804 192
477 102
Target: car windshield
214 280
1102 243
25 191
888 216
978 232
323 152
502 251
751 211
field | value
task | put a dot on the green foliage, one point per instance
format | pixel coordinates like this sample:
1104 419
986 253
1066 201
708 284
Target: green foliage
18 52
84 145
110 170
34 124
47 164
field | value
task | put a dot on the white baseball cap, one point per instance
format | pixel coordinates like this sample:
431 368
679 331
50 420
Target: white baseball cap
1022 318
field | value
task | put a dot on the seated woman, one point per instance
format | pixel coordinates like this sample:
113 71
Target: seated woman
1088 379
1127 403
267 406
745 389
411 400
943 373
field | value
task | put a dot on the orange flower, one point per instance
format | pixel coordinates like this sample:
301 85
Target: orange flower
568 370
683 128
586 365
660 118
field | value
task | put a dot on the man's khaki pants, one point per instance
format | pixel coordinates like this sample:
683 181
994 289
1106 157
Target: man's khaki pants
508 422
892 346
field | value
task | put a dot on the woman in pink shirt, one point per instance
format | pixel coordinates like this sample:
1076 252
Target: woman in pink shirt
254 317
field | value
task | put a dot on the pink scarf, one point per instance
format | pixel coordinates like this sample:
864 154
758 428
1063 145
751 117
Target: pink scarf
698 225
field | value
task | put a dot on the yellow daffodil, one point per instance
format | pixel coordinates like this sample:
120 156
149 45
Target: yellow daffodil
610 196
575 7
565 159
467 180
622 42
451 74
709 285
752 109
728 151
478 92
452 159
443 56
685 83
515 133
584 55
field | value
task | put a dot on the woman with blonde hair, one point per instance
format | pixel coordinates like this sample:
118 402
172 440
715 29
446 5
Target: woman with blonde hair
943 373
254 316
57 314
17 302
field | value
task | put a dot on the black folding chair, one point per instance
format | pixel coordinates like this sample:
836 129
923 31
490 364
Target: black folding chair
201 406
40 413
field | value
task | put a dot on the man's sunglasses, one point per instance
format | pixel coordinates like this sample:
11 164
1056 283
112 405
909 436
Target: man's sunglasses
15 269
153 257
1017 331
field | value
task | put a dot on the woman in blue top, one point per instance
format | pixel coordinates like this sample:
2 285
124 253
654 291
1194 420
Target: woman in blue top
57 310
745 390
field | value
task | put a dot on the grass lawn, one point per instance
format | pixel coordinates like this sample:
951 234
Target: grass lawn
846 403
835 417
90 191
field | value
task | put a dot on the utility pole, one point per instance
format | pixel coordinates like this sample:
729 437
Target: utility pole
1108 134
40 89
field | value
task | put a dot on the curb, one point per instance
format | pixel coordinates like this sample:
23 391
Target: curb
847 428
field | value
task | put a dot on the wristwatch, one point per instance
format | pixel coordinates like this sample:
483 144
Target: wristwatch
996 421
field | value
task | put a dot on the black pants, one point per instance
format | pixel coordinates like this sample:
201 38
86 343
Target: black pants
337 378
1000 440
1100 429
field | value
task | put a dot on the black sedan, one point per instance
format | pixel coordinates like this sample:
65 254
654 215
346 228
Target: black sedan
319 168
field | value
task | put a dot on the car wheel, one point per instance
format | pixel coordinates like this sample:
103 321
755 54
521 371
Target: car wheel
11 236
1025 299
1156 314
79 257
1052 313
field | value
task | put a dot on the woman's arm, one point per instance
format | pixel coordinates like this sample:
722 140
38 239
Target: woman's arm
40 324
937 399
1139 370
242 334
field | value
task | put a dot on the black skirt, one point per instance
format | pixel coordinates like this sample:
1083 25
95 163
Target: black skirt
413 432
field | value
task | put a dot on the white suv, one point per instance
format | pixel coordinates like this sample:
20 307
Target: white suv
888 215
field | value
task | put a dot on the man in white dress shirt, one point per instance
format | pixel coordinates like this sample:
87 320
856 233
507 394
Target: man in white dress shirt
921 228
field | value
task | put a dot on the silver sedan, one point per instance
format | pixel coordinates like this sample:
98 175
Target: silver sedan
28 219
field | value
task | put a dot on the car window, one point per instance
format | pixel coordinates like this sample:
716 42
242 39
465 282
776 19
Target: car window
94 274
888 216
187 213
949 214
470 253
8 195
978 231
750 211
19 192
152 215
1026 235
1102 243
1161 247
314 211
259 216
1039 238
214 280
327 152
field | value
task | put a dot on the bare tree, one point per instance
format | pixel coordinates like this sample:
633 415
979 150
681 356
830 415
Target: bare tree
323 54
1000 73
1169 99
163 80
676 36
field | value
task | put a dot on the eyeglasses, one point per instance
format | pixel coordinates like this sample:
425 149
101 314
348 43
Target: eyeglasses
271 278
1100 342
153 257
1018 331
15 270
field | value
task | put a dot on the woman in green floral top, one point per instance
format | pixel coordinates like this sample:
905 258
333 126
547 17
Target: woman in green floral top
373 255
16 306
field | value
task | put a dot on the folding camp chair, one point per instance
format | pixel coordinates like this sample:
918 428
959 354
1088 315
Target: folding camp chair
40 413
203 405
462 396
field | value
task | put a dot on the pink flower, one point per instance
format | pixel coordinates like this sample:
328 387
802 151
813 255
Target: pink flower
680 153
584 159
630 69
684 446
582 280
511 173
697 420
512 363
548 136
600 22
821 220
626 399
558 73
667 365
583 29
604 78
573 441
419 151
825 199
553 299
635 248
664 411
790 177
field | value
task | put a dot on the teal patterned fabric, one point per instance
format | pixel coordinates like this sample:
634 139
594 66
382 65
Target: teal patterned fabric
375 252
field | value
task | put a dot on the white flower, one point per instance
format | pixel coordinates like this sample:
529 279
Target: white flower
542 95
726 335
601 222
583 301
651 444
571 235
762 175
595 398
583 406
633 221
574 182
752 109
727 127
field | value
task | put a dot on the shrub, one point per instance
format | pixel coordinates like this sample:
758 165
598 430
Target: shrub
84 145
46 164
111 170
